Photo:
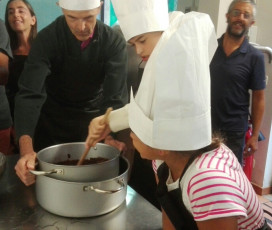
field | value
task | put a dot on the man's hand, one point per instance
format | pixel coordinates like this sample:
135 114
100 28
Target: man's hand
26 163
251 146
27 160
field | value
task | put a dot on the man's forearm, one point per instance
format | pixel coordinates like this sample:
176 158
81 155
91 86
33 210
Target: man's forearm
26 145
257 111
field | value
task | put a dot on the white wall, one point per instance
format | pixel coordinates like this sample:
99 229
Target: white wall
267 181
184 5
217 10
264 19
221 24
212 9
262 173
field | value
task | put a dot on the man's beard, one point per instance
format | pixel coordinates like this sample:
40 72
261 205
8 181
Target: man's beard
236 35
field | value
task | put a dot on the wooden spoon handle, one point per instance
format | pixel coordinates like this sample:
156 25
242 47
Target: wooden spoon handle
83 156
102 122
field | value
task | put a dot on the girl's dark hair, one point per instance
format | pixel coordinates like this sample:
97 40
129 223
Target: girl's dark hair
217 140
14 43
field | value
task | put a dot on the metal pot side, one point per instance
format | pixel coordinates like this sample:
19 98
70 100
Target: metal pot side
70 199
48 157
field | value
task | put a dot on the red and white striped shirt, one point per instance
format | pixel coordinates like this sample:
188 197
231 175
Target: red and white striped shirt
215 186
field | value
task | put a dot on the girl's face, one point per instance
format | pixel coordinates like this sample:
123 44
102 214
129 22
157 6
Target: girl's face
145 43
145 151
19 17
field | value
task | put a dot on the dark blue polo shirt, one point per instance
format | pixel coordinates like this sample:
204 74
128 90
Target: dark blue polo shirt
231 79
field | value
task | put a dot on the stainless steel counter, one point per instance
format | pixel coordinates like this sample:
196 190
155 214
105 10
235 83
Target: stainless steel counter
20 210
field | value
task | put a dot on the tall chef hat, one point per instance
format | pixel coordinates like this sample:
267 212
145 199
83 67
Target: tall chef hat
141 16
171 110
79 4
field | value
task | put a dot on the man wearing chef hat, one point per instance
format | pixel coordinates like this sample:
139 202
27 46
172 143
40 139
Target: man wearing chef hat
76 69
171 122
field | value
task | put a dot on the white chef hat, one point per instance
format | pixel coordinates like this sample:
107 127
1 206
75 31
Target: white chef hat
171 110
79 4
141 16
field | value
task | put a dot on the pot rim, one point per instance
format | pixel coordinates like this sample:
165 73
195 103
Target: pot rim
120 175
76 166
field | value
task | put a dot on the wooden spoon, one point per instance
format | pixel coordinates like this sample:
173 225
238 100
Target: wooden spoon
102 122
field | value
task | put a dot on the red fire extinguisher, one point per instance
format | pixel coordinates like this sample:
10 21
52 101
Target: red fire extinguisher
248 161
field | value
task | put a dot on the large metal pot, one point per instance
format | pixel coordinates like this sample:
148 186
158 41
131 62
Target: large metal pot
74 199
48 157
116 219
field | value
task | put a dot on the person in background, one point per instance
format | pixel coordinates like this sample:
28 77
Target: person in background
5 118
236 68
201 185
21 24
75 70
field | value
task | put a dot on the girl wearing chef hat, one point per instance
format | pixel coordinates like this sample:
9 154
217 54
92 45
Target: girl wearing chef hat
201 184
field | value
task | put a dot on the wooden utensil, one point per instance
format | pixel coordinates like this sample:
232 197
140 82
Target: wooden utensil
102 122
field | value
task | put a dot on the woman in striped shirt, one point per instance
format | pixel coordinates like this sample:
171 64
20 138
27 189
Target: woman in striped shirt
213 188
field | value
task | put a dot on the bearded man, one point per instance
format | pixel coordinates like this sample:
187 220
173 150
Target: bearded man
236 68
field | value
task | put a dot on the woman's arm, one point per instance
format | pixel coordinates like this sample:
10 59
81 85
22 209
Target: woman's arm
226 223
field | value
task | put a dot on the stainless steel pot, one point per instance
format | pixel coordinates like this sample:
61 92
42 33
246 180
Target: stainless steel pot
74 199
116 219
48 157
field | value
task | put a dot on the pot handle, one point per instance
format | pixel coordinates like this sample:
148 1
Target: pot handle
42 173
92 188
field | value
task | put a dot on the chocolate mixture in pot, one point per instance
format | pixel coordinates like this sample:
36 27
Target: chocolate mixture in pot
85 162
